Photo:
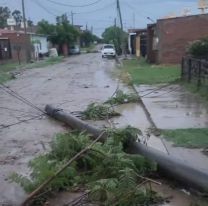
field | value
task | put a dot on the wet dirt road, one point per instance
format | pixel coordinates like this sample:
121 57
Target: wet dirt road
71 85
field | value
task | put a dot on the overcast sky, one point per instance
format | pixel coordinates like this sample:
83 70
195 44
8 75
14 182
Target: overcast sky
102 14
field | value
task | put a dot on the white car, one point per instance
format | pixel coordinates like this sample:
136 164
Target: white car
108 50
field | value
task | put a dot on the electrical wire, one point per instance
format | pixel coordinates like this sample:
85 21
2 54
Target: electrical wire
19 97
99 9
44 8
22 121
71 5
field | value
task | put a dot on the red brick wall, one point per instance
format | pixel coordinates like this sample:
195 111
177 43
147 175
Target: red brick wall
17 39
175 35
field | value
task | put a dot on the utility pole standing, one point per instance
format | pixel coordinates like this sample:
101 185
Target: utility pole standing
72 17
121 25
23 13
27 49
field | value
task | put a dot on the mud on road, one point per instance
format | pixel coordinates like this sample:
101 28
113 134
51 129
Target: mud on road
71 85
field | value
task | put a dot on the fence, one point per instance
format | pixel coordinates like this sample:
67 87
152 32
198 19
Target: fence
195 70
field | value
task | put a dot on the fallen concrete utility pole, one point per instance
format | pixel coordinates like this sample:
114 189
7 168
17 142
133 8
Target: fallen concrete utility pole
178 169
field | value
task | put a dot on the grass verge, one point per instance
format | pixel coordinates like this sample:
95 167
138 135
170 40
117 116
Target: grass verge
88 49
143 73
6 69
192 87
190 138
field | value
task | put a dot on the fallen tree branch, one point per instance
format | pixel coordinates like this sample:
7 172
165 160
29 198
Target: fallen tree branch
43 185
180 170
148 179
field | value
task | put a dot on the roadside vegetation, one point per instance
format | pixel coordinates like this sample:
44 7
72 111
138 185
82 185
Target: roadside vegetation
110 176
6 70
88 49
190 138
198 91
122 98
99 112
142 72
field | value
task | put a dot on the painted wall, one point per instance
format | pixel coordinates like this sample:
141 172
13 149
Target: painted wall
40 43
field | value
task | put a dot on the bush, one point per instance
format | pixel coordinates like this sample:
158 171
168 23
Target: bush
199 49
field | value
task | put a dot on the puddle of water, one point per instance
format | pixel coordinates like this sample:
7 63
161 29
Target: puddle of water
177 197
132 114
173 107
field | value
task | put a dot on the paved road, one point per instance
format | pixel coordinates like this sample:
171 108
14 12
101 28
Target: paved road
71 85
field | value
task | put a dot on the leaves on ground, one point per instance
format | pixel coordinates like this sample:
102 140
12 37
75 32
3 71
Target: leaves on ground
99 112
122 98
106 170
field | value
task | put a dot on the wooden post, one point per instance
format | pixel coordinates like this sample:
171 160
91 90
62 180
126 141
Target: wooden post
182 68
199 74
189 70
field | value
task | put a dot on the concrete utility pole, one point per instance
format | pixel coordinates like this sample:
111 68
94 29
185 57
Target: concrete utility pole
27 47
121 25
24 19
72 17
119 13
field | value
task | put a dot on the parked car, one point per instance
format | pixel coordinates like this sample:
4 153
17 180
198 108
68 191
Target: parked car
108 50
74 49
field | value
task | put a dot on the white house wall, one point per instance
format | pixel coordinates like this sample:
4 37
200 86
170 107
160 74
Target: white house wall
41 44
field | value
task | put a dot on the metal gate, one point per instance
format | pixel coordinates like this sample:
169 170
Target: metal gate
5 49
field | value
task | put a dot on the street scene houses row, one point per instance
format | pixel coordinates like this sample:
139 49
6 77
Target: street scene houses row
167 40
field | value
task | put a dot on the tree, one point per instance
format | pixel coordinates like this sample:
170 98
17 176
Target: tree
114 35
61 34
4 15
30 23
44 27
87 38
62 19
199 49
17 16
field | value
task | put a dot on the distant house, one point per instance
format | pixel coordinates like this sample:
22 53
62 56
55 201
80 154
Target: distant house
168 39
137 42
15 45
40 44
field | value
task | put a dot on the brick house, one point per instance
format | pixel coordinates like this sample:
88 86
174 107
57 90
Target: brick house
168 39
12 45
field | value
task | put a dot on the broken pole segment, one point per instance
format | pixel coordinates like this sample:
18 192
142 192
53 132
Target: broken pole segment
176 168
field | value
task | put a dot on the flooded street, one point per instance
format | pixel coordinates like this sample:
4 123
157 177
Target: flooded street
71 86
173 107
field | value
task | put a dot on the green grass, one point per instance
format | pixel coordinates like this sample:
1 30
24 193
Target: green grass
5 69
143 73
89 48
190 138
192 87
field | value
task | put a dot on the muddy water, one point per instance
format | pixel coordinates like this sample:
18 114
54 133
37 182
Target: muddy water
173 107
71 85
178 197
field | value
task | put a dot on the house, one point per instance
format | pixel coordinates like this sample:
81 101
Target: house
18 46
168 39
40 45
137 42
13 45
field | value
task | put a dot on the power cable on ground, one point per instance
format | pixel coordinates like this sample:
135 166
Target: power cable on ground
21 98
